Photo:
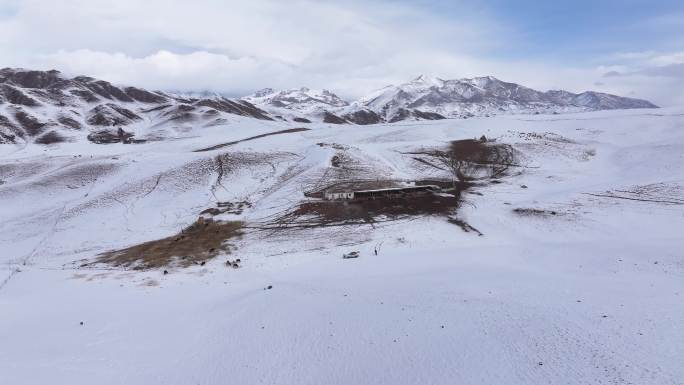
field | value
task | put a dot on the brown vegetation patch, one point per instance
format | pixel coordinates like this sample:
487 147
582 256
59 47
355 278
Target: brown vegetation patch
196 244
334 213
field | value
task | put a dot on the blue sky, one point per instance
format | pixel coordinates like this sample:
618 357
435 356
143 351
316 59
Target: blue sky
578 31
582 24
353 46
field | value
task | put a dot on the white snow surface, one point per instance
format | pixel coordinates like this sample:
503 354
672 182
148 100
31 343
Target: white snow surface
591 295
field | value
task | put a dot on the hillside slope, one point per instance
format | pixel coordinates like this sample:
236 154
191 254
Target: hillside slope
565 269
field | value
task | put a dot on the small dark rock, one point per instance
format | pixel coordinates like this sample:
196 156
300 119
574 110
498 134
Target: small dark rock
269 287
166 272
202 263
523 186
81 323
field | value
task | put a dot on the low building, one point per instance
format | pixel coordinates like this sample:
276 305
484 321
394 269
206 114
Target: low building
392 192
337 195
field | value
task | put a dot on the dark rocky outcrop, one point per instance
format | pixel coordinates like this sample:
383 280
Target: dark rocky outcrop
30 124
111 136
111 115
85 95
50 138
30 79
69 122
240 107
401 114
144 96
9 131
22 92
15 96
363 117
333 119
427 115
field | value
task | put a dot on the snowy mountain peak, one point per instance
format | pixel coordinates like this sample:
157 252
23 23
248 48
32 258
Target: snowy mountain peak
485 95
426 81
263 92
300 100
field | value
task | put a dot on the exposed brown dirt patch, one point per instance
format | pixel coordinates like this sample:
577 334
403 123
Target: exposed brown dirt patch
199 242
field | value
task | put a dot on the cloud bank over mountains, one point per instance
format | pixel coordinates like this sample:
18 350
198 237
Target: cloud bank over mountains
350 47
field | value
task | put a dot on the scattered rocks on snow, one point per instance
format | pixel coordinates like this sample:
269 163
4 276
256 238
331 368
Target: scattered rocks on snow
353 254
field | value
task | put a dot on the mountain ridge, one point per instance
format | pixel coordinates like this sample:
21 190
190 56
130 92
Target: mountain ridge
435 98
47 107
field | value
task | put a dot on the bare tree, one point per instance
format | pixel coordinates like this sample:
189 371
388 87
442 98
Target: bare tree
468 160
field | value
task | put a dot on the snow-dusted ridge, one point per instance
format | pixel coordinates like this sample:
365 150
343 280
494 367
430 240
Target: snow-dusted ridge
434 98
47 107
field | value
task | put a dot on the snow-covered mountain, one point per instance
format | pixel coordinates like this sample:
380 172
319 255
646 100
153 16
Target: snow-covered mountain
483 96
425 98
297 103
47 107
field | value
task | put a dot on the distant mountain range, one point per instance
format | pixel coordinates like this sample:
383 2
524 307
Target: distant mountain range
46 107
434 98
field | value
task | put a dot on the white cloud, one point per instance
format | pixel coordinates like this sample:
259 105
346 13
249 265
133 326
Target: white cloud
263 43
350 47
654 75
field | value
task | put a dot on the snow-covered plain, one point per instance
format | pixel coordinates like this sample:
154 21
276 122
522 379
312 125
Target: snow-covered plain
591 295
